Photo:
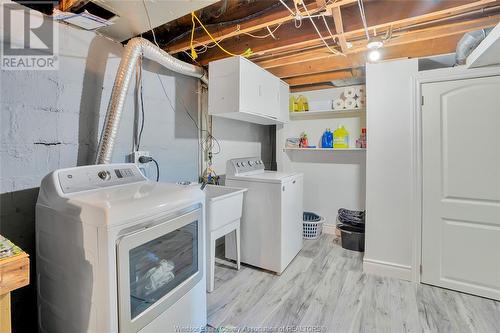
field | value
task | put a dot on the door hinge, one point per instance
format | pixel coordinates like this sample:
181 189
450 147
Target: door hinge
422 100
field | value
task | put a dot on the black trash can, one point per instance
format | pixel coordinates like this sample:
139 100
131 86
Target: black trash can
352 237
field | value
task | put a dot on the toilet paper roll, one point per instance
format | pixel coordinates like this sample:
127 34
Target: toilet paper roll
338 104
360 91
349 92
350 103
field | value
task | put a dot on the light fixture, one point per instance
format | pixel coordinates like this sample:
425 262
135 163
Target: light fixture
374 55
374 43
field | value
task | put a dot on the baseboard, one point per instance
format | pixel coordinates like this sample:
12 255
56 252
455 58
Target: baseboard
329 229
388 269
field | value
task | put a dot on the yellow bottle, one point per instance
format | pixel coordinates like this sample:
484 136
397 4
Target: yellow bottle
293 106
341 137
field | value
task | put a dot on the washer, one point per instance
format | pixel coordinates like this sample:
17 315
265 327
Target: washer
271 225
119 253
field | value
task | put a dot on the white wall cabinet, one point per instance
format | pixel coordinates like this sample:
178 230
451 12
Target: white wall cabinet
241 90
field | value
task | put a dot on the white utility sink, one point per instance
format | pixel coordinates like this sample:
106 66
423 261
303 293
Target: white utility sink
224 205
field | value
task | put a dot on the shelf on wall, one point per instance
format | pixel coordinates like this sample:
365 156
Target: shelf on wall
326 114
332 150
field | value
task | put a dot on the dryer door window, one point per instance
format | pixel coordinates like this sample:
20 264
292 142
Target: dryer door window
158 265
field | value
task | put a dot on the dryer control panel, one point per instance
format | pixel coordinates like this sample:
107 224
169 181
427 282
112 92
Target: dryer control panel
246 165
98 176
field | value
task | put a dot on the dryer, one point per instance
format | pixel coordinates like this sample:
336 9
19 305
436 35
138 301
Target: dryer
119 253
271 224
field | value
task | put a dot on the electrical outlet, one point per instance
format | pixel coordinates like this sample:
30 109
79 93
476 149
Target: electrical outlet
134 157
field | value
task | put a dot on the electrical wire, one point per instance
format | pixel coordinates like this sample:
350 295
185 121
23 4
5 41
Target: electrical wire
208 144
247 53
157 169
141 97
149 22
363 18
317 31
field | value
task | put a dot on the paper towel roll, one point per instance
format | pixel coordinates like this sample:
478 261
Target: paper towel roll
350 103
338 104
360 91
349 92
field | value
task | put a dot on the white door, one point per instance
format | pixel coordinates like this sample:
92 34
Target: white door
461 185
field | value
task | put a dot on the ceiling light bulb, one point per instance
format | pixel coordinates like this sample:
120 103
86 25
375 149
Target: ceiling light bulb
374 55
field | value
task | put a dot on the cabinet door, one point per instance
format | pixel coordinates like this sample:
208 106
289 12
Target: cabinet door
269 91
250 88
284 97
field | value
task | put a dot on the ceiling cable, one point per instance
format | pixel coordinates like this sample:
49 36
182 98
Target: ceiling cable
149 22
363 17
317 30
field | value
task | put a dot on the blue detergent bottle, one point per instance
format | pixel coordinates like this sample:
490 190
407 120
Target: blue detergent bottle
327 139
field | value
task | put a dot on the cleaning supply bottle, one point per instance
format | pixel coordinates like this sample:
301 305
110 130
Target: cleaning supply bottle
341 137
304 142
327 139
293 105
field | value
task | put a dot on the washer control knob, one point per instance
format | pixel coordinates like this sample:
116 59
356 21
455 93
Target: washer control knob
104 175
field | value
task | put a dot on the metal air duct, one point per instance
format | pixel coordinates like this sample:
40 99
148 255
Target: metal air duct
135 48
468 43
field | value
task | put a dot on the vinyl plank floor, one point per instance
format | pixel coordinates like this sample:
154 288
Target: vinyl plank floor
324 289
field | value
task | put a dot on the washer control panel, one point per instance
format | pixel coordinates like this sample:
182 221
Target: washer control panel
244 165
97 176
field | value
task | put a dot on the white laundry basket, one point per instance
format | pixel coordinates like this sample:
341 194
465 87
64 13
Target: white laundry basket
312 225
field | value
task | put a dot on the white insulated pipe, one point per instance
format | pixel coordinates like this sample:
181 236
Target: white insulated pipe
133 50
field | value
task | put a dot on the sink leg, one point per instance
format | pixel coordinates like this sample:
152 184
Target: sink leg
238 248
211 264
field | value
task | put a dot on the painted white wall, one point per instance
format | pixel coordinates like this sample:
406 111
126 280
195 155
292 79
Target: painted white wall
332 180
67 107
240 139
388 168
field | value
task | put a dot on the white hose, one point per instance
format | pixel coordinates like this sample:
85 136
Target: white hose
133 50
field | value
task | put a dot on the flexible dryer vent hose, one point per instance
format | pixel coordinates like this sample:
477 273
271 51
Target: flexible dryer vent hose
133 50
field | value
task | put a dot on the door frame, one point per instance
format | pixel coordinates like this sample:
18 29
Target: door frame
431 76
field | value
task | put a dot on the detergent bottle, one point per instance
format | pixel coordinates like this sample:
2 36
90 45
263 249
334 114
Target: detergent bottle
327 139
341 137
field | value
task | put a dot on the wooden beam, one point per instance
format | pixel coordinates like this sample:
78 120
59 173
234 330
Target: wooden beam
289 39
339 28
319 77
271 19
311 87
68 5
399 38
410 50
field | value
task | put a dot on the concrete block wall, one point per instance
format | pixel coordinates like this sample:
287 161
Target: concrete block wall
53 119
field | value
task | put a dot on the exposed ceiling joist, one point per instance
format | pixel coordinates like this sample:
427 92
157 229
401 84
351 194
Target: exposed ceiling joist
290 38
323 77
339 28
412 50
68 5
271 19
311 87
398 39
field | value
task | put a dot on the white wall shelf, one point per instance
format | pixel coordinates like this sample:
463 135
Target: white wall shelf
330 150
326 114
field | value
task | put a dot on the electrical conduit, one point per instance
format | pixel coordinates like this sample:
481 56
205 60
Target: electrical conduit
133 50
